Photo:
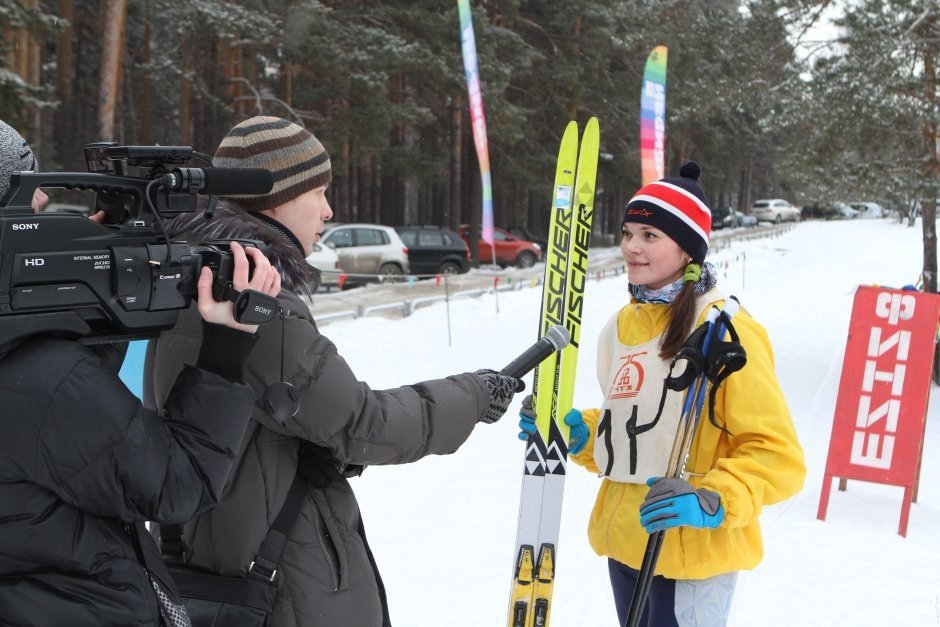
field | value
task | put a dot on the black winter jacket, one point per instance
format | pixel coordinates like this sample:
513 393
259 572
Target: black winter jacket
81 461
327 577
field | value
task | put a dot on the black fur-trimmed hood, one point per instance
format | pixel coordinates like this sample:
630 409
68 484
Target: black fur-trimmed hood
230 221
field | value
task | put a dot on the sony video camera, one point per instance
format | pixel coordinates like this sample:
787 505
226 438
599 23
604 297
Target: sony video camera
65 274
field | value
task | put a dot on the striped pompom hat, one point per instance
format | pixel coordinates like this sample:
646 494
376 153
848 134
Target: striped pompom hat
678 207
296 158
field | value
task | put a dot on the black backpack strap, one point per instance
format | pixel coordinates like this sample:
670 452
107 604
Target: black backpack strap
171 544
264 566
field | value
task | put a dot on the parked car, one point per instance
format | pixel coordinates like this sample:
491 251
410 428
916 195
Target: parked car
510 250
373 250
775 210
820 211
434 250
868 209
728 218
523 233
324 259
845 212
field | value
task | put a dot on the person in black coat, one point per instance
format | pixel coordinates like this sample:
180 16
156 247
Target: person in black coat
83 464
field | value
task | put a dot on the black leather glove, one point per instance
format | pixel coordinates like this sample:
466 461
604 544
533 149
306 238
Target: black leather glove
501 390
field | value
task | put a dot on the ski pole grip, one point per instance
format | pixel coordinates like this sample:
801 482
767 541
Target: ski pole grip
731 306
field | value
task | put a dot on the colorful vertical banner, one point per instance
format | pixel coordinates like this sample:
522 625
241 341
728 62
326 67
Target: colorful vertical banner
469 46
653 115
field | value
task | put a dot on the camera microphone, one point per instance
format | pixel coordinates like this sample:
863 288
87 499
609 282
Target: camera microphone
219 181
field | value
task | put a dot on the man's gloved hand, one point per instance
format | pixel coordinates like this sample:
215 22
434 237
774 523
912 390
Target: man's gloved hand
673 503
578 436
501 388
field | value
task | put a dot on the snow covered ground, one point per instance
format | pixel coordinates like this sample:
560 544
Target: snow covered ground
443 529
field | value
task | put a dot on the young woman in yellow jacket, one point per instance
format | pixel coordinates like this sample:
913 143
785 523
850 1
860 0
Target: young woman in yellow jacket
749 457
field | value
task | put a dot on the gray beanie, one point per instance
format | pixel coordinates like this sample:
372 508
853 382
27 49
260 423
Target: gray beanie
15 156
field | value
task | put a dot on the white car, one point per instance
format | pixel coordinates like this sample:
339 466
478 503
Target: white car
367 252
846 212
324 259
775 210
868 209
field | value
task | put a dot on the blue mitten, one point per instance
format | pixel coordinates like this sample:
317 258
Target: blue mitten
579 431
673 503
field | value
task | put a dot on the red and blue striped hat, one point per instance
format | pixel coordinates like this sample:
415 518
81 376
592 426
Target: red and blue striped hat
678 207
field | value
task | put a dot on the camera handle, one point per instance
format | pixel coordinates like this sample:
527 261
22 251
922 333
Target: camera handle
251 307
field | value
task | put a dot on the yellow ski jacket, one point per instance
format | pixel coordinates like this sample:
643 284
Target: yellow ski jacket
761 463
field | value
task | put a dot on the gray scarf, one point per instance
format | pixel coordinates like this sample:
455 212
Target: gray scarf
667 293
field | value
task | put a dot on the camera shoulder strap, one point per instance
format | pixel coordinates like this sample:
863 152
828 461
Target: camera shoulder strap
264 566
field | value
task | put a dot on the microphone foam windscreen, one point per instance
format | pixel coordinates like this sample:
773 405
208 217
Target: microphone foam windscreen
235 181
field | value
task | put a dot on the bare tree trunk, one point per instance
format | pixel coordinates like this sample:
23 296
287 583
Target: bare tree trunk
366 192
931 171
342 191
744 188
185 104
456 139
575 101
115 19
64 54
931 166
144 81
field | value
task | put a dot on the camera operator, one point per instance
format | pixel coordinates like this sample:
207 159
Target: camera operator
83 464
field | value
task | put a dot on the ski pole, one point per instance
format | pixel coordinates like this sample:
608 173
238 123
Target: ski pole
688 421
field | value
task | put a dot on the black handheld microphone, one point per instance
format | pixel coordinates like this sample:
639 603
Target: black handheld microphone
555 339
219 181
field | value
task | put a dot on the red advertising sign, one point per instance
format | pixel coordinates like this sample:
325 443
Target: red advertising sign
881 409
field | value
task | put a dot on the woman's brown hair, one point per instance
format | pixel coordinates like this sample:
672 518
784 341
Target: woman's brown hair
681 319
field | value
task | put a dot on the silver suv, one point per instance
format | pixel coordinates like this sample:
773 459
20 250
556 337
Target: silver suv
372 251
775 210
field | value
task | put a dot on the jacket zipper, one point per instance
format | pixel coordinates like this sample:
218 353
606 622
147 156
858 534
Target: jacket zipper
139 552
323 539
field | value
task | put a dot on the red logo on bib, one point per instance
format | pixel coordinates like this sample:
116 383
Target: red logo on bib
629 379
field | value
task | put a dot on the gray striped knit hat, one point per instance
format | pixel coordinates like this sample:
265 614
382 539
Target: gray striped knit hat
15 156
296 158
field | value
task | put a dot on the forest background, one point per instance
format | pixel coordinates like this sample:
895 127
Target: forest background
766 110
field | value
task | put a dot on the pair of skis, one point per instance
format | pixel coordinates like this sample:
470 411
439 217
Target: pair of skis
546 451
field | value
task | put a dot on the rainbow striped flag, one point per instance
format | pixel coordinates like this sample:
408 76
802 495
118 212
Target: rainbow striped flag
653 115
477 120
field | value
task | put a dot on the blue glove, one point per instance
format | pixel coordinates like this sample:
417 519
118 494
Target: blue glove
673 503
579 431
527 418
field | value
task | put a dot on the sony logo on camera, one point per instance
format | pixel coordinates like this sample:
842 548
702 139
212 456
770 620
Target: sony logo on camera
25 226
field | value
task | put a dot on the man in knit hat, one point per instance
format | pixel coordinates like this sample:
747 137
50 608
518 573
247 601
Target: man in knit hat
313 410
17 156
